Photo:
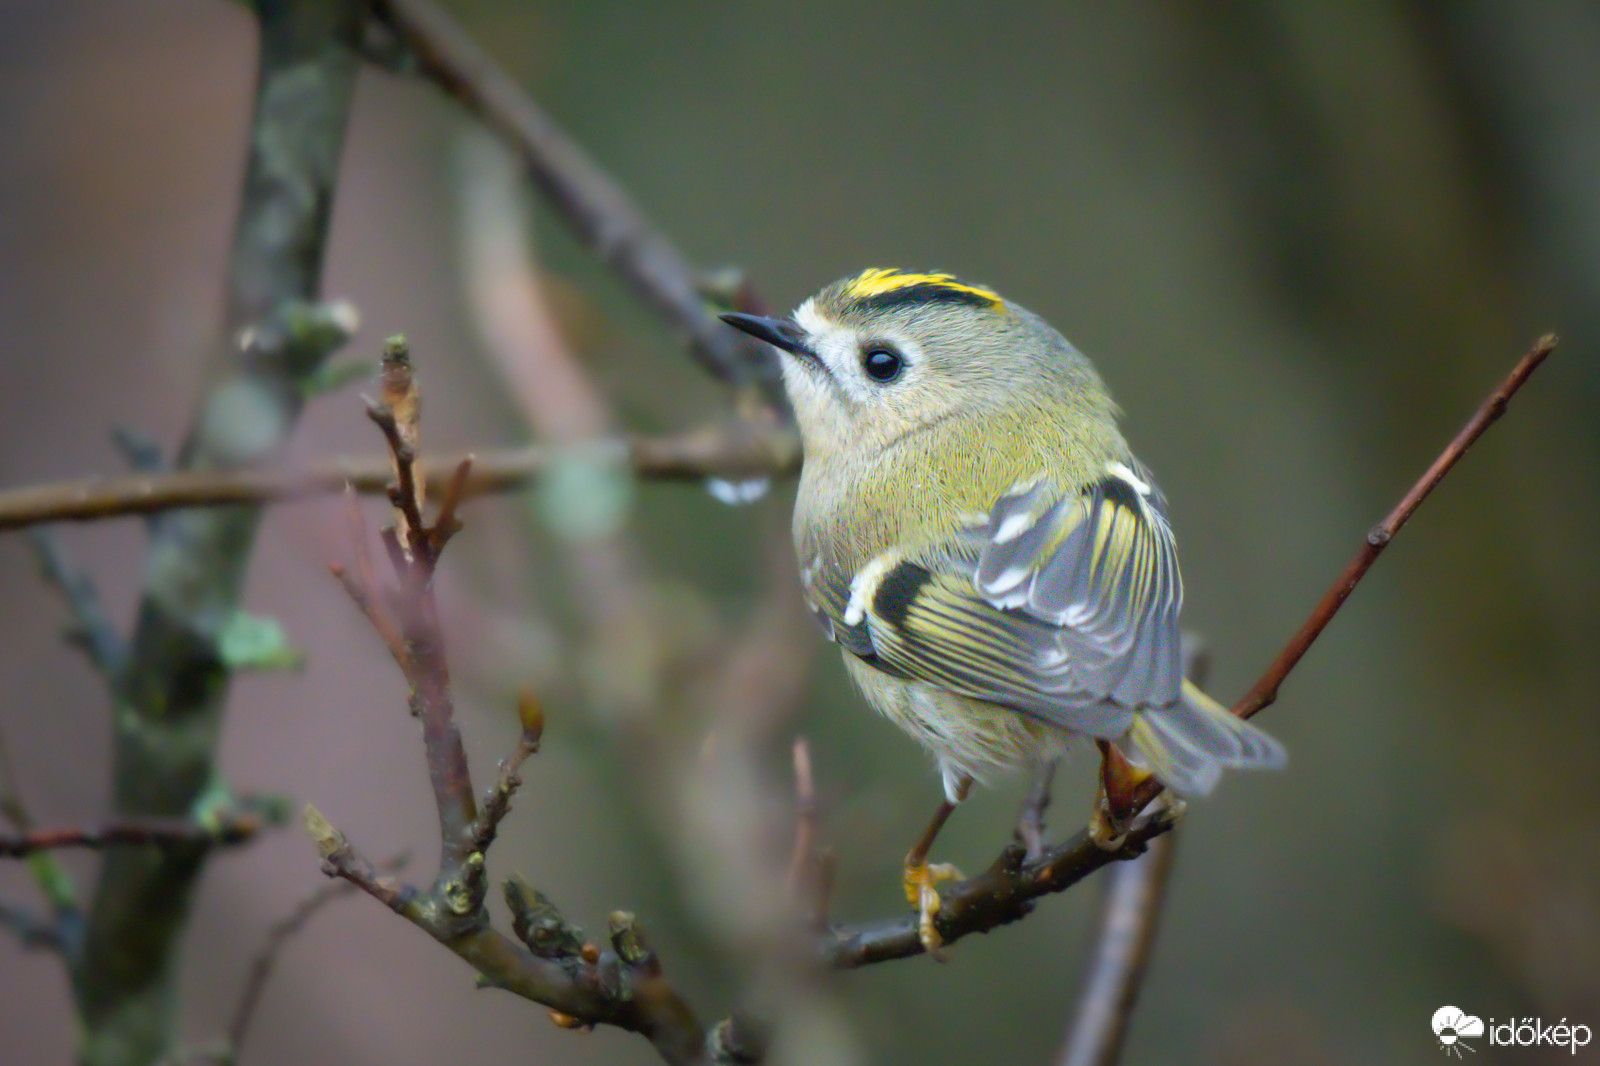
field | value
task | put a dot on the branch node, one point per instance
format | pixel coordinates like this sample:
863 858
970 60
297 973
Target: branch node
631 944
539 924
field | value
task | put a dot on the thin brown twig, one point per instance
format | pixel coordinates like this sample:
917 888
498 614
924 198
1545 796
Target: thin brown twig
447 525
497 801
64 930
742 449
805 808
1265 691
1000 895
154 832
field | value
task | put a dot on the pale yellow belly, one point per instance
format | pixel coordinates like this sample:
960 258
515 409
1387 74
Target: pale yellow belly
969 738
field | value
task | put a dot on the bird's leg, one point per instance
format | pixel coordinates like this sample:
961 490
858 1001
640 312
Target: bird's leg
921 879
1118 804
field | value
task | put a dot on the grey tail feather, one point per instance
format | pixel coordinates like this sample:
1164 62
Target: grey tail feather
1187 743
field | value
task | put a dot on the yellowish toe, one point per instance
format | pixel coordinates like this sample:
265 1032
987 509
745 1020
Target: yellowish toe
1105 836
922 892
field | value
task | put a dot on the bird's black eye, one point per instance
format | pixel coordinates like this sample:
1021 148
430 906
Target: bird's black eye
882 363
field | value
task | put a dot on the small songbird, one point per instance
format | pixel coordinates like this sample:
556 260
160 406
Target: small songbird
975 534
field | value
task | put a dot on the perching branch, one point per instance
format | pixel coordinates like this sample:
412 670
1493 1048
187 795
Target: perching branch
744 448
1005 892
580 983
600 213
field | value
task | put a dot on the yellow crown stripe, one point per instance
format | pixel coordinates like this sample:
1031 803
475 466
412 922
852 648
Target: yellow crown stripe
880 280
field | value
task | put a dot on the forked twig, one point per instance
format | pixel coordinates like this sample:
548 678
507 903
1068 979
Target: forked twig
581 984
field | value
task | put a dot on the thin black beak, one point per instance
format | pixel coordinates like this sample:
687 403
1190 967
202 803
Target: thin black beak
781 333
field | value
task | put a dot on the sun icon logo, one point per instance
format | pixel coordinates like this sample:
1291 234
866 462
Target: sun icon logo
1452 1025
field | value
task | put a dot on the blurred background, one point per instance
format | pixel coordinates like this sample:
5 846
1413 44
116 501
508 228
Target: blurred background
1300 241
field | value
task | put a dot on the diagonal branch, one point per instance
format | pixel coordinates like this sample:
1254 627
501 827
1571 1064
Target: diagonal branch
599 211
1265 691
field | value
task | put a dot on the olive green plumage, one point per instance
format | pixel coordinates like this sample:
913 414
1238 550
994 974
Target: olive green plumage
974 532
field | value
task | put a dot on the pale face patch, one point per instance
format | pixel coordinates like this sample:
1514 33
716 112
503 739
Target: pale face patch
839 348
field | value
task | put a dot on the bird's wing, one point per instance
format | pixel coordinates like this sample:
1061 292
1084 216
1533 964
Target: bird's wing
1064 605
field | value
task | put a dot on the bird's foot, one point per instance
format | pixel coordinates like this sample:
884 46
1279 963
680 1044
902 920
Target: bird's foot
1105 831
922 892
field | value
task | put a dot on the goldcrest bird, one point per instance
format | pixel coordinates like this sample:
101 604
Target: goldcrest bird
974 532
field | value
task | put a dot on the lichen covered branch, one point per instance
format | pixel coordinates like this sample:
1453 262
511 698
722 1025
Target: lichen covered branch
169 692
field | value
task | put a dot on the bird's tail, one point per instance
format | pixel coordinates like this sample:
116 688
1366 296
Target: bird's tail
1187 743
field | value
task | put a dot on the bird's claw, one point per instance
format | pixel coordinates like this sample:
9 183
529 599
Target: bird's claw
922 892
1104 832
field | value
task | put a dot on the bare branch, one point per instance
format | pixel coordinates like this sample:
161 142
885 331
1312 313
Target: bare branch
1265 691
497 802
598 210
169 697
581 984
742 449
65 929
998 896
278 936
152 832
